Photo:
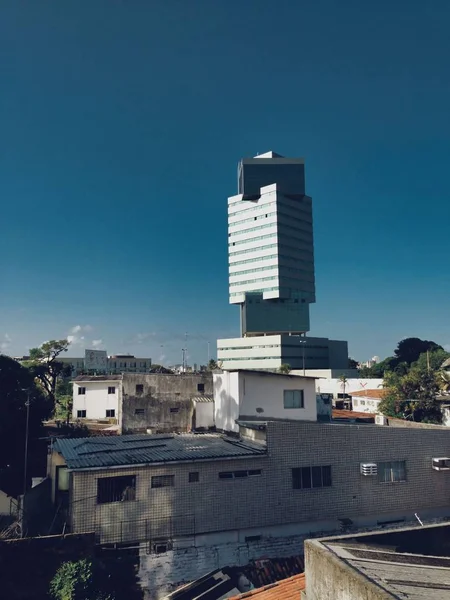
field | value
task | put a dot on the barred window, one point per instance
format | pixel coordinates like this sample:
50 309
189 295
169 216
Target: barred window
159 481
311 477
116 489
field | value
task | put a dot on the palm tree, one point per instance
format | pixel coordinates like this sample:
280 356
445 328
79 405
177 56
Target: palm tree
344 380
285 369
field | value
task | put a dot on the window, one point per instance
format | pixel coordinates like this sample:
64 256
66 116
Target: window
200 387
111 390
194 477
174 409
139 388
139 411
81 414
239 474
81 391
311 477
159 481
110 413
293 399
116 489
389 472
362 402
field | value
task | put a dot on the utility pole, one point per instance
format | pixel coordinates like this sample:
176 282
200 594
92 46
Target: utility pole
208 355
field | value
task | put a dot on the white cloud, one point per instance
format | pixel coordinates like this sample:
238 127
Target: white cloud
5 344
78 328
97 343
74 338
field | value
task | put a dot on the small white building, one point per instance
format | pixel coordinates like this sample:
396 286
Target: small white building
367 400
97 397
259 395
333 385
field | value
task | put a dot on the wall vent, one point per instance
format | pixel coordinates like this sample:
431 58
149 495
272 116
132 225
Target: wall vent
368 469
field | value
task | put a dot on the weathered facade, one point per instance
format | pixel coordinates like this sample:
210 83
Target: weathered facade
162 403
225 493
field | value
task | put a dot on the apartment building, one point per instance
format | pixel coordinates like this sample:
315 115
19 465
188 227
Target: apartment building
139 402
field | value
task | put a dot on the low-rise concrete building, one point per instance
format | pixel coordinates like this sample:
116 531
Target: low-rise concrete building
260 395
367 400
139 402
197 502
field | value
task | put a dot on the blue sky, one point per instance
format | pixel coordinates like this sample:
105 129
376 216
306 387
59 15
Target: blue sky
121 124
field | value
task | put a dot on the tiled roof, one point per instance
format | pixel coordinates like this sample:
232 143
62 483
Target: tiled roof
286 589
339 413
123 450
378 393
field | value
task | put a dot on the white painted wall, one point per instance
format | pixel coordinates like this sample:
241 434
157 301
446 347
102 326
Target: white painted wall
335 387
96 401
226 397
204 414
365 404
260 395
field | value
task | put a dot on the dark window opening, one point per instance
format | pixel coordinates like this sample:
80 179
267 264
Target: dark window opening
226 475
139 388
81 391
174 409
160 481
254 472
110 413
116 489
139 411
81 414
252 538
239 474
194 477
111 390
311 477
200 387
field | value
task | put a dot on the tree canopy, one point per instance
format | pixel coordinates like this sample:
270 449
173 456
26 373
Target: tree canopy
16 386
46 368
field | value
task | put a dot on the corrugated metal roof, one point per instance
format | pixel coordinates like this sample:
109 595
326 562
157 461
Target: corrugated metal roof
97 378
97 452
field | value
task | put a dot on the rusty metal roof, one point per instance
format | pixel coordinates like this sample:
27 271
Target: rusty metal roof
124 450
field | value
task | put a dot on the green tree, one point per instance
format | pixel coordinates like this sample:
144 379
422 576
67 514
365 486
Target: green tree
352 363
212 365
46 368
284 368
432 360
17 386
409 349
412 396
344 381
77 580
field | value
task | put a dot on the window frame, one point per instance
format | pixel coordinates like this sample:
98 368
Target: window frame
113 388
81 416
139 412
201 387
194 477
139 388
81 390
118 494
164 480
110 410
291 404
307 477
390 470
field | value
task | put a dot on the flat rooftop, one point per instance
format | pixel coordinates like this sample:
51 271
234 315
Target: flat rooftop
124 450
412 563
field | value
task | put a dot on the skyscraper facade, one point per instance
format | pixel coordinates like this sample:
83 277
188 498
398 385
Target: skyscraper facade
270 246
271 270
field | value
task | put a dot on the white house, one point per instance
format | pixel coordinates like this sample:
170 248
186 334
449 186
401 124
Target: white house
367 400
97 397
333 385
262 395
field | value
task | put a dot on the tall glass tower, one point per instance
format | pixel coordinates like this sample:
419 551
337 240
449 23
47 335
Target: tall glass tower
270 246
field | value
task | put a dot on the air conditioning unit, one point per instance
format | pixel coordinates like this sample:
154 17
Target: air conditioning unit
368 469
440 464
380 420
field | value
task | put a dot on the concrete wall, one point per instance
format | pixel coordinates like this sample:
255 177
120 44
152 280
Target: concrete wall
204 415
96 401
329 578
269 499
166 401
226 397
5 504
